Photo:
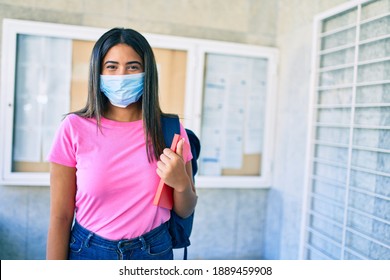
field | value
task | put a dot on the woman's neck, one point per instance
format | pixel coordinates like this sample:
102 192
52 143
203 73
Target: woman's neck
131 113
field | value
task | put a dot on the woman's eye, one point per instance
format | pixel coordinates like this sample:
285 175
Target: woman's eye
134 67
111 67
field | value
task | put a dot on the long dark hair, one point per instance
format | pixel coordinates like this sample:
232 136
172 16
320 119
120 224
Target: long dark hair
97 102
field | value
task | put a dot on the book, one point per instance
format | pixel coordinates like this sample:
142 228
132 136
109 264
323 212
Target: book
164 193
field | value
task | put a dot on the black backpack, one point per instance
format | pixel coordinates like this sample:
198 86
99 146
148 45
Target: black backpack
179 228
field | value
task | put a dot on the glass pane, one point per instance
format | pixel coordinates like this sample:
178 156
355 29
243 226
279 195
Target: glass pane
330 211
375 8
339 39
327 228
335 96
374 29
334 116
351 256
361 202
373 138
328 190
311 254
374 206
333 135
373 94
366 247
333 173
172 66
339 155
42 96
234 94
373 116
374 72
369 226
370 182
324 246
338 58
375 50
315 255
371 160
336 77
340 20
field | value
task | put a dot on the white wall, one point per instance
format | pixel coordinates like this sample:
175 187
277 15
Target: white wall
285 200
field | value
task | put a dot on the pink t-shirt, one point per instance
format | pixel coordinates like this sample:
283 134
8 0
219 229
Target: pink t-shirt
115 182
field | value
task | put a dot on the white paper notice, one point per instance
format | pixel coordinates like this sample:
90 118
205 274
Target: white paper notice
255 109
233 111
233 132
210 162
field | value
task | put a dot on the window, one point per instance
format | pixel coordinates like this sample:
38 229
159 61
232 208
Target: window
237 103
347 213
39 86
36 90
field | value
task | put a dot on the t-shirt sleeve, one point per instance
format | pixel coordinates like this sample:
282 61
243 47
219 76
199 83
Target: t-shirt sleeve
188 153
63 147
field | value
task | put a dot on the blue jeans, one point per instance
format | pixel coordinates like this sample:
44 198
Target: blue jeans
154 245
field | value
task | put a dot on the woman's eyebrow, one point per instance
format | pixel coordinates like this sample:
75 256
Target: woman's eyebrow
110 61
127 63
134 62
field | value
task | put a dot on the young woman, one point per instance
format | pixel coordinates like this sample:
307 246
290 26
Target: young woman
107 160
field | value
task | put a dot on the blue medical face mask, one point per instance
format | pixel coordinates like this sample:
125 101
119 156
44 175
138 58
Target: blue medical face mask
122 90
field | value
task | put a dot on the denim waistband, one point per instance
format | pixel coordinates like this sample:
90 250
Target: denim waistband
132 243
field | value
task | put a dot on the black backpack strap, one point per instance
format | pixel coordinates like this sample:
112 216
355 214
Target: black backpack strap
180 229
195 150
170 126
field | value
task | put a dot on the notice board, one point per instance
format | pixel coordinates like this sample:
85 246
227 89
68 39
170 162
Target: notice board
234 98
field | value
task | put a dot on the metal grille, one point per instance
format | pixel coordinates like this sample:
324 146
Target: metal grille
347 212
